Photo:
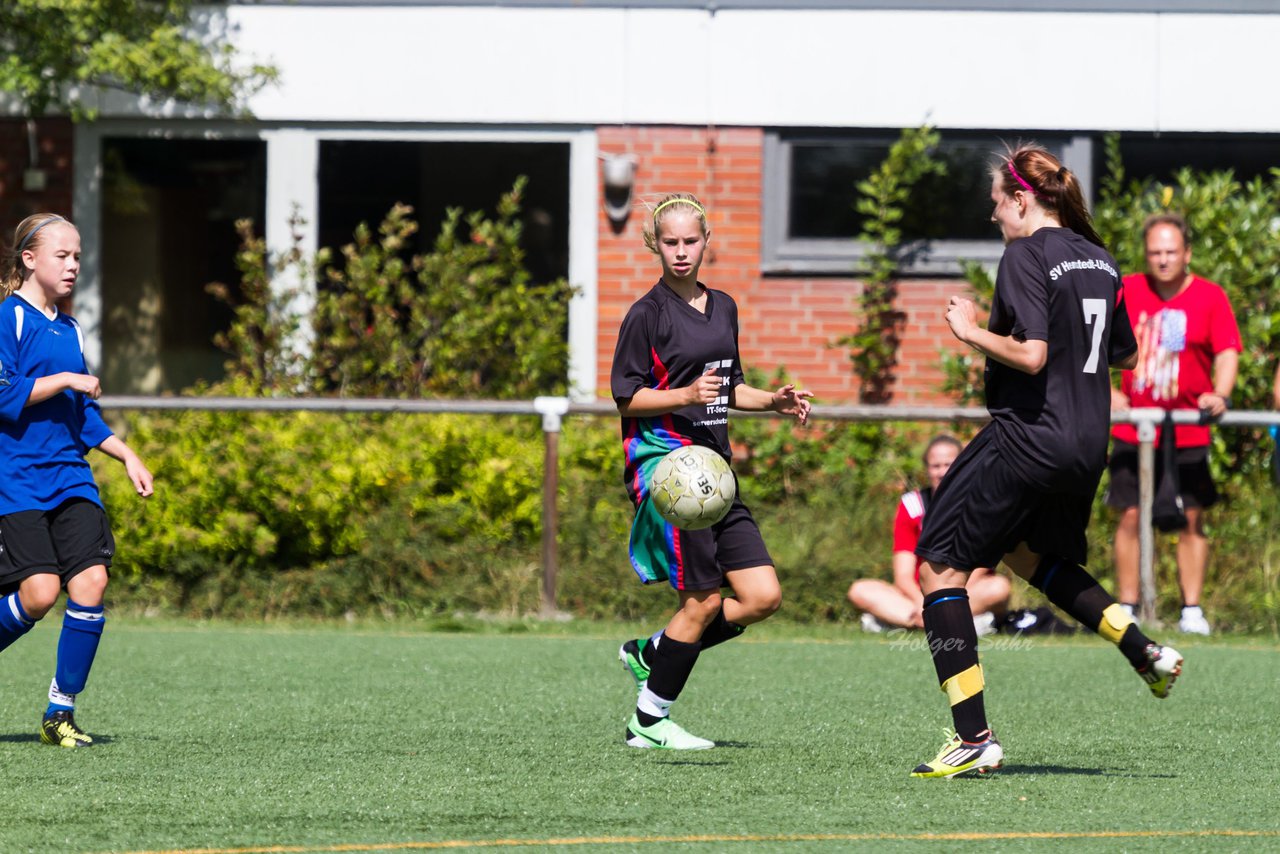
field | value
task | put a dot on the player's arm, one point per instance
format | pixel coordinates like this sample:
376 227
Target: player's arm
55 384
648 402
1028 356
1126 363
787 400
114 446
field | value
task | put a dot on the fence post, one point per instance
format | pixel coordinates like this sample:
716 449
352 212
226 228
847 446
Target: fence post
552 410
1146 421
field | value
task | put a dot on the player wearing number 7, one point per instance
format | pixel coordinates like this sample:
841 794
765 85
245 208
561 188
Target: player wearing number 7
1023 489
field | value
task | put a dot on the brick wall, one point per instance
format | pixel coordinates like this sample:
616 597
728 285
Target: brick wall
784 321
54 142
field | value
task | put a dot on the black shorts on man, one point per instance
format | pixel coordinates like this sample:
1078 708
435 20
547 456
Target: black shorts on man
984 508
1195 481
63 541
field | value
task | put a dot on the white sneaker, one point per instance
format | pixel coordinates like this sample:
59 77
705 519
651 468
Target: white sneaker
1193 622
985 624
666 734
1164 666
871 624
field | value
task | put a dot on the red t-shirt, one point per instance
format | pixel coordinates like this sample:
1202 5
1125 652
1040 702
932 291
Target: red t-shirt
907 525
1177 340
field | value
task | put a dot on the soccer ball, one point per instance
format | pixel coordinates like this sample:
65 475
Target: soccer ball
692 487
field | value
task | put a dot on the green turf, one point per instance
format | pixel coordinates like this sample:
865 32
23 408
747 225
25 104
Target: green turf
322 737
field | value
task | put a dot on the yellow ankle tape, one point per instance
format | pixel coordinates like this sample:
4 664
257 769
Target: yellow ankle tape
964 684
1115 620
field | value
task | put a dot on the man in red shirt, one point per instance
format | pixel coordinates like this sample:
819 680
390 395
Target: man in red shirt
1188 353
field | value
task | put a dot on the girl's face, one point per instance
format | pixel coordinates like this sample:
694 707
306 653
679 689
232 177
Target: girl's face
938 460
1008 212
681 243
55 260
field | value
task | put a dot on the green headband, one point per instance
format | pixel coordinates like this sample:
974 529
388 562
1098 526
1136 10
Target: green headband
697 207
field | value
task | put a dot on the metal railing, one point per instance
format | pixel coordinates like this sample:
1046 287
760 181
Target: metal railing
553 410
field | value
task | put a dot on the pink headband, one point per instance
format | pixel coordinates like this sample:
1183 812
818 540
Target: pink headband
1019 179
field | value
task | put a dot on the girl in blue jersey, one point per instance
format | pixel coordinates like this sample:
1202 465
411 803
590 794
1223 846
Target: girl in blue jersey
53 531
676 373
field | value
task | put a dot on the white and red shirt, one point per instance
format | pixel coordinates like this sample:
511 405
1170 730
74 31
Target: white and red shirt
1177 339
908 523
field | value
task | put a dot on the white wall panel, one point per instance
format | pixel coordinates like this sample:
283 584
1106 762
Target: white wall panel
842 68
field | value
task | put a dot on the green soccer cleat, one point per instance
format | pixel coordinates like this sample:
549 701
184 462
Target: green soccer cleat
1164 666
666 734
631 654
961 757
60 729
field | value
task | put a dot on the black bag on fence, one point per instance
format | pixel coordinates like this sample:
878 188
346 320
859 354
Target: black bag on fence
1167 512
1275 455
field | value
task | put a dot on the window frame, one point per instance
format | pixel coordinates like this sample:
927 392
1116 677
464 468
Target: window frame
788 256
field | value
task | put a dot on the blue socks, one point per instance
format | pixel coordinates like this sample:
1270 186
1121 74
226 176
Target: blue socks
14 622
77 645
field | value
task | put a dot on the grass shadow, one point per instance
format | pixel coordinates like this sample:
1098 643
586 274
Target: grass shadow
1082 772
23 737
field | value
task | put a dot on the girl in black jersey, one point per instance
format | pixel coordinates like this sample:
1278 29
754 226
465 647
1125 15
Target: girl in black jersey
1023 489
676 373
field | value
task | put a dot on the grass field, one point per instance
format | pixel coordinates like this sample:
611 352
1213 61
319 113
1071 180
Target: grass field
307 738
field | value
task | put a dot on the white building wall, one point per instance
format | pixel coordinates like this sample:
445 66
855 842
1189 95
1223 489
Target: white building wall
513 73
851 68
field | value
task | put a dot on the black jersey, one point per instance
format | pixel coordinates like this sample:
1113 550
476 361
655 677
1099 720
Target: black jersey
1056 286
666 343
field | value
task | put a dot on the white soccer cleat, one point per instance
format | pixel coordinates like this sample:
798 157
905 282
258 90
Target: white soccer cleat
666 734
1164 666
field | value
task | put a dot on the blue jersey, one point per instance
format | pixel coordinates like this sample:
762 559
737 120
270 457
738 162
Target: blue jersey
43 446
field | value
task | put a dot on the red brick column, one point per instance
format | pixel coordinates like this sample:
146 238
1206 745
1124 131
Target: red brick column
784 321
54 138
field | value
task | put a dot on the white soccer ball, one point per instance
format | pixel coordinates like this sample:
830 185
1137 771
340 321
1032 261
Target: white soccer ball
692 487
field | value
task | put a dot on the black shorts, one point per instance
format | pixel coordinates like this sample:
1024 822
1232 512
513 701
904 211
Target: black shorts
732 543
1195 481
64 541
695 560
982 510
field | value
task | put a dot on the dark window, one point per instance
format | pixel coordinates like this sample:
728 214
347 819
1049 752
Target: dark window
168 230
360 181
1160 156
825 177
811 192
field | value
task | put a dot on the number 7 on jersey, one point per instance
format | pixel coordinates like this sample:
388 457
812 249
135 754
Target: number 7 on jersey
1095 315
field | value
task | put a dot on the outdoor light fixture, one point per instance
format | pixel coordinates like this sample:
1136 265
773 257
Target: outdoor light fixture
619 181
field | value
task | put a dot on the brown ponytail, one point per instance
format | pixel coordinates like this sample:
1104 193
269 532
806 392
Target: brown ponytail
1031 168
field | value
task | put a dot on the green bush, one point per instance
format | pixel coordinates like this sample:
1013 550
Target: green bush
242 497
324 514
463 320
